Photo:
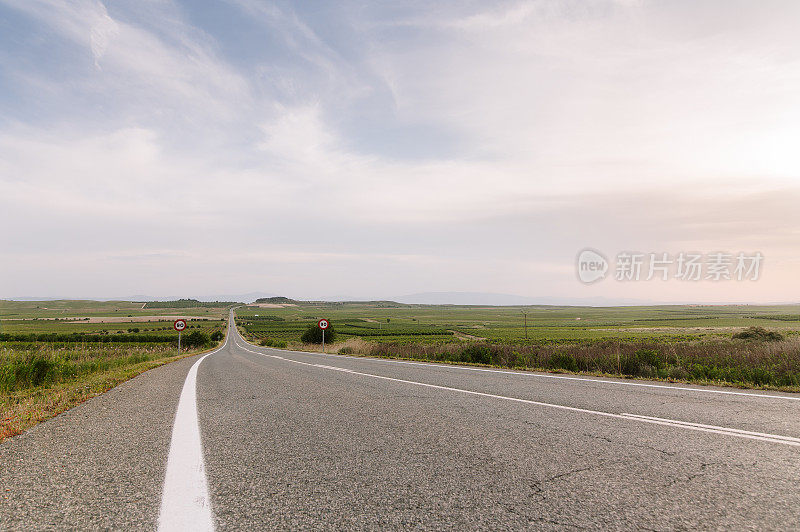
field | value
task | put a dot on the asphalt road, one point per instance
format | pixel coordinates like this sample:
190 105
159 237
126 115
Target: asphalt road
296 440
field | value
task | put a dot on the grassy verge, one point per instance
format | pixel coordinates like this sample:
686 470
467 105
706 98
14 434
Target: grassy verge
749 364
41 380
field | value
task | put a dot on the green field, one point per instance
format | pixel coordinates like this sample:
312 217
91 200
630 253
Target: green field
73 309
55 354
387 322
677 343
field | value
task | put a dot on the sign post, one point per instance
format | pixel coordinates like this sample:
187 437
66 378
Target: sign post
179 326
323 324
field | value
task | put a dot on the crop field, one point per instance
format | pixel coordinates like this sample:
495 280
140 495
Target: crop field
291 328
56 354
740 345
120 309
155 326
387 322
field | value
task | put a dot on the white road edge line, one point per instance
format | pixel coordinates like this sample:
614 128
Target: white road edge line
546 376
185 503
714 427
772 438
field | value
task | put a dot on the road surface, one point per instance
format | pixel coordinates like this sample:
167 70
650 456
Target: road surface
250 438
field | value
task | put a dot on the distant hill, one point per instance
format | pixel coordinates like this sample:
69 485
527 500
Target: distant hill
187 303
276 300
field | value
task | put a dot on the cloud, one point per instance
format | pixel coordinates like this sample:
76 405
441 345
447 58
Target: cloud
298 134
145 74
565 89
287 149
102 31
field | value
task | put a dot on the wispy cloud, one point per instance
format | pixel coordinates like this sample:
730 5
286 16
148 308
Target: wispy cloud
418 147
101 32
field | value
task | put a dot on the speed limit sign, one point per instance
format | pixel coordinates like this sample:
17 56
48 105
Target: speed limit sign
179 326
323 324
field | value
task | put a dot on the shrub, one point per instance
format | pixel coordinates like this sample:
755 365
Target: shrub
196 339
564 361
758 333
647 371
630 365
476 354
37 372
678 373
650 357
313 335
216 336
346 351
642 363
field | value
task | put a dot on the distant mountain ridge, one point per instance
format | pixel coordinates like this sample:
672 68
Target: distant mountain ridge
422 298
492 299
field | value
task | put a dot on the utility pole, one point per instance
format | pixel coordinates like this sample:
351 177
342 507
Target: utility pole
526 323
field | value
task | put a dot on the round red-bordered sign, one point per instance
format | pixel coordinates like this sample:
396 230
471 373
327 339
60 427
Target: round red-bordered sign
323 324
179 325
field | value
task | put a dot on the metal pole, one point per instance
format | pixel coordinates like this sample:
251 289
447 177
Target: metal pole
179 342
323 340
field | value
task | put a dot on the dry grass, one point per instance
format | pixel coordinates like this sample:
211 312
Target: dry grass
761 364
356 344
21 409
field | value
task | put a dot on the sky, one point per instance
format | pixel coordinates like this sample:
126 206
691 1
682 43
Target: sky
358 149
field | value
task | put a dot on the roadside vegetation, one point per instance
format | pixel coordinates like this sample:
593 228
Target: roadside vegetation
758 333
724 345
314 335
751 364
49 365
187 303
